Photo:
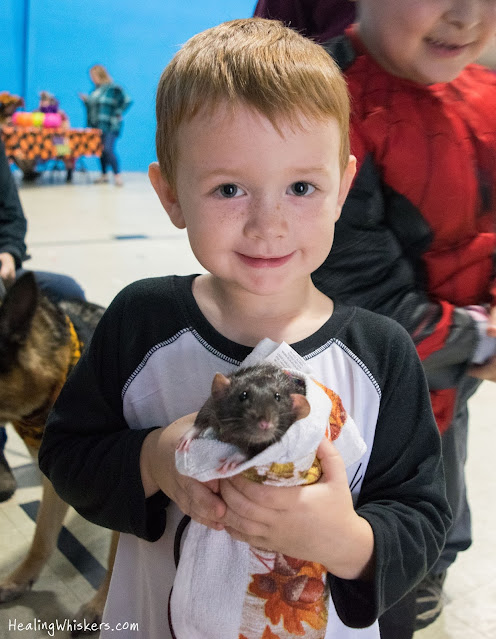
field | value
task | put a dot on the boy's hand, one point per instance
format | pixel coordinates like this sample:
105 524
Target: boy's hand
491 328
315 523
158 471
484 371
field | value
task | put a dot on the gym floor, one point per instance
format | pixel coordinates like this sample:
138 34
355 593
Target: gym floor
107 237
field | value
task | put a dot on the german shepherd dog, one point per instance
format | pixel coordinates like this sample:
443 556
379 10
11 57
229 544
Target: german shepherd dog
40 342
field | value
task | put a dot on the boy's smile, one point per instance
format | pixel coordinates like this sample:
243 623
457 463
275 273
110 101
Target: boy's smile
259 205
265 262
426 41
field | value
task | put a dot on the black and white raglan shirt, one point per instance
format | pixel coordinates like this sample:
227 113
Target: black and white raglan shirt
152 360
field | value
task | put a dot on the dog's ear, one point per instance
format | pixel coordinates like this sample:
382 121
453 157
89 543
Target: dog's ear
16 314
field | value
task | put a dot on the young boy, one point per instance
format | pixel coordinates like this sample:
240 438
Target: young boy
416 240
252 142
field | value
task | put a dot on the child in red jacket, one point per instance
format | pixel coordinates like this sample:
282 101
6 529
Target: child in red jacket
421 213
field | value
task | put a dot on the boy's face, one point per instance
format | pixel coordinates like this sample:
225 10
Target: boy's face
426 41
259 207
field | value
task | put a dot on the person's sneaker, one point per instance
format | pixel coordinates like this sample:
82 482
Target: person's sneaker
429 600
8 483
103 179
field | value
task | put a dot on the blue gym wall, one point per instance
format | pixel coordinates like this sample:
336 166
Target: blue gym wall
51 44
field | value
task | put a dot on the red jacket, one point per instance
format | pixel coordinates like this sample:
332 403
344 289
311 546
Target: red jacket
417 236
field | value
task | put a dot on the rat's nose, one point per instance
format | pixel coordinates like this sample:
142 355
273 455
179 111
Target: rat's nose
264 424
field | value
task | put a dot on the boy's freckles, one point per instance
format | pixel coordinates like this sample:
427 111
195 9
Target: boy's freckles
236 177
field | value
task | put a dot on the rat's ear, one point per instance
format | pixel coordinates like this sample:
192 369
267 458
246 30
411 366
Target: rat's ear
301 406
167 195
220 385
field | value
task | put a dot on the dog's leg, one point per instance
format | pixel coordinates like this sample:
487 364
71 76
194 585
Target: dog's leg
48 524
92 611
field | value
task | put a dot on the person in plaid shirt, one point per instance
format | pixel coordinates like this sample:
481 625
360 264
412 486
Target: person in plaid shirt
105 106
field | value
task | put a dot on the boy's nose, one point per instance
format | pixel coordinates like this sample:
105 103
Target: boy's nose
266 220
464 14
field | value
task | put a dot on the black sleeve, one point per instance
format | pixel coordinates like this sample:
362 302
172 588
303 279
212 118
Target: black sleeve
88 451
12 221
403 492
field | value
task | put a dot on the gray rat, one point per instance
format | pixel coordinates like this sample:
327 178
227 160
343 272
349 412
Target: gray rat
250 408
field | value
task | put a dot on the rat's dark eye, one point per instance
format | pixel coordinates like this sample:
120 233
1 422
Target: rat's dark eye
277 397
243 396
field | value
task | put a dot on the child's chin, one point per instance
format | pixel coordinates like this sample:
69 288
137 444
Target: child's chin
443 75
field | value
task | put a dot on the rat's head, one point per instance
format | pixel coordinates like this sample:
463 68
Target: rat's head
256 405
426 41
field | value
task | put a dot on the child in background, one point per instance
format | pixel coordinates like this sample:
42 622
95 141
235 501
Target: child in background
50 104
252 143
416 240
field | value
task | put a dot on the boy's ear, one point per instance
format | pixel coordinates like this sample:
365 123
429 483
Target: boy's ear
166 195
346 181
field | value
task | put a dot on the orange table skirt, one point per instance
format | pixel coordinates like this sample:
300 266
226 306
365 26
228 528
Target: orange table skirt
35 143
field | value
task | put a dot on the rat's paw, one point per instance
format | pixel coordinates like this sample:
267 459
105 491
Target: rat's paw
184 443
230 463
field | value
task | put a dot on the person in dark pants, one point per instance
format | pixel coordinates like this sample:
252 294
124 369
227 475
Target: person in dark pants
105 106
13 228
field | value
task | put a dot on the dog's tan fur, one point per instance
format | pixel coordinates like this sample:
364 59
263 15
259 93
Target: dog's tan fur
38 347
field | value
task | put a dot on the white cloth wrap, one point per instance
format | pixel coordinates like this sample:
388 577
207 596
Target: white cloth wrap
214 570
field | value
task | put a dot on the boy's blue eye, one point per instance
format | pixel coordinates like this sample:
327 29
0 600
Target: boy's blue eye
229 190
301 188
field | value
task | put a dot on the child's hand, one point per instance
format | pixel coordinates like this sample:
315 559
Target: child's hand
488 370
7 267
484 371
315 523
158 471
491 327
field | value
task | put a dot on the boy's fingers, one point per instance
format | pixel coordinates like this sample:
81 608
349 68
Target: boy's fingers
213 485
200 502
210 505
209 523
331 461
240 502
267 497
